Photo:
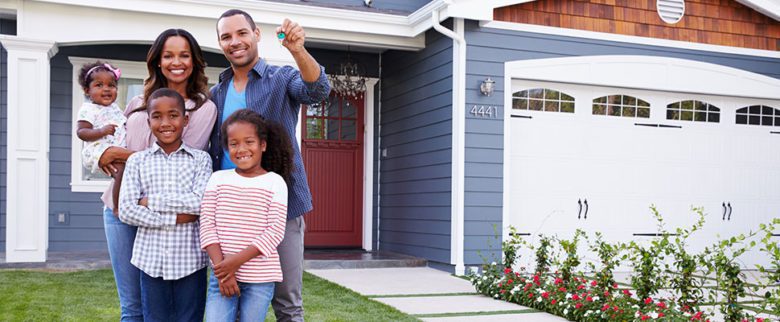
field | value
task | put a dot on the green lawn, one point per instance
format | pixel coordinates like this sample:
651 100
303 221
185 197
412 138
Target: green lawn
91 296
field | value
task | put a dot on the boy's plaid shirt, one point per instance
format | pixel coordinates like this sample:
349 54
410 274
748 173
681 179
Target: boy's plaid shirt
174 184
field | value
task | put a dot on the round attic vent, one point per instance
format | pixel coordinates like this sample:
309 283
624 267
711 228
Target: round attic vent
671 11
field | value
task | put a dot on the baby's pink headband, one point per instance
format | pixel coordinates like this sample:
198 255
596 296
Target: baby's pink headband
117 72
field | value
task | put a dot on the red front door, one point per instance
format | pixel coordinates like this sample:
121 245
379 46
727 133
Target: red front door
333 156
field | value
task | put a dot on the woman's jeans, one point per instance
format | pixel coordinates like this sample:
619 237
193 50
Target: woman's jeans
120 238
252 305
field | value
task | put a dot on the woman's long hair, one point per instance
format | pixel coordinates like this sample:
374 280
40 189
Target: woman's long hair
197 84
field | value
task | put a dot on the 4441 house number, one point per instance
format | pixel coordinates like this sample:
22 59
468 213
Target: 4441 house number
483 111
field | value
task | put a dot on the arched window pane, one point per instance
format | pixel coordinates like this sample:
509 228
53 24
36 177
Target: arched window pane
543 99
693 110
758 115
621 105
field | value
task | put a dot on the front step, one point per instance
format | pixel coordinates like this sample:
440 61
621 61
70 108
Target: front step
352 259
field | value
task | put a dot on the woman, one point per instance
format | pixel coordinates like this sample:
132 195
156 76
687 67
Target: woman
174 61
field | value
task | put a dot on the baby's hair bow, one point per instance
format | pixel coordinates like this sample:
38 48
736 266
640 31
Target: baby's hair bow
117 72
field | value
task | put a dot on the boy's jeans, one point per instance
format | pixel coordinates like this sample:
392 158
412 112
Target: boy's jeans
252 304
120 238
174 300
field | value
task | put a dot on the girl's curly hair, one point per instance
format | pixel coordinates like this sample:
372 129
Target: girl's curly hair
278 151
85 79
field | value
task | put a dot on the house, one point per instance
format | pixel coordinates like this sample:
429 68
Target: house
547 115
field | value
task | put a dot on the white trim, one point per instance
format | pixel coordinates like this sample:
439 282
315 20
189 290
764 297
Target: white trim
27 168
628 39
368 165
648 73
130 69
458 138
770 8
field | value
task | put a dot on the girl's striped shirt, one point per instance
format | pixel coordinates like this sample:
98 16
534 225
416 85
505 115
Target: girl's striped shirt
237 212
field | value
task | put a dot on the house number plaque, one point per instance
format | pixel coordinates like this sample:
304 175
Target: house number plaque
483 111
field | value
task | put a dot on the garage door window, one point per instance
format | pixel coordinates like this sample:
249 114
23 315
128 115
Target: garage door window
693 110
543 99
758 115
621 105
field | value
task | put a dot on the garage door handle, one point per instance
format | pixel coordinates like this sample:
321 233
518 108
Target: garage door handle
724 210
579 212
729 217
586 208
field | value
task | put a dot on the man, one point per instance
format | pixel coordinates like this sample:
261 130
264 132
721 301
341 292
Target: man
276 93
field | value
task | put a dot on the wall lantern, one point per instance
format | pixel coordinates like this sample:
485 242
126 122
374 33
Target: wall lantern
487 87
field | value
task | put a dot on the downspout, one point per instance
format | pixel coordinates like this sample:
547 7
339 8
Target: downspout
379 158
458 137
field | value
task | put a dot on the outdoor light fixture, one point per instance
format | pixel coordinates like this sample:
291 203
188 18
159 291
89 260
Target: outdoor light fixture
352 79
487 87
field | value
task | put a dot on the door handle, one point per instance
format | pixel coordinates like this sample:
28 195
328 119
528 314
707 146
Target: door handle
729 216
579 212
586 208
724 210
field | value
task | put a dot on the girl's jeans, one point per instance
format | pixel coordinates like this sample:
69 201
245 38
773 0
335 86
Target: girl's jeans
120 238
252 304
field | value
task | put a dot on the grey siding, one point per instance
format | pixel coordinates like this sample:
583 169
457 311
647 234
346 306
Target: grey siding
84 231
7 27
488 50
416 126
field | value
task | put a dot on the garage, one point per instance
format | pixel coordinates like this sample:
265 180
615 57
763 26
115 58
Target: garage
596 157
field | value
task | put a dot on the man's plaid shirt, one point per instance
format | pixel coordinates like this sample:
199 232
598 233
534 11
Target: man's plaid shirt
174 184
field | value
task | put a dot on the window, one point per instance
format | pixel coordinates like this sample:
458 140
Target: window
543 99
621 105
693 110
759 115
130 85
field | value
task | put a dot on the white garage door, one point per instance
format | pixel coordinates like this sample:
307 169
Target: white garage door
596 158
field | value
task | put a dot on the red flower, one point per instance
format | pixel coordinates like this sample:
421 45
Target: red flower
558 281
545 295
614 285
507 270
644 317
759 320
648 301
615 308
627 292
509 282
562 289
499 285
661 305
553 301
697 316
589 299
605 307
579 287
593 283
530 295
527 286
660 314
502 291
578 305
575 297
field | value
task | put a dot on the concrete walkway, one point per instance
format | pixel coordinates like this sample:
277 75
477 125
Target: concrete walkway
430 295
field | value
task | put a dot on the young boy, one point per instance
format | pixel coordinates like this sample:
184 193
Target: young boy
161 194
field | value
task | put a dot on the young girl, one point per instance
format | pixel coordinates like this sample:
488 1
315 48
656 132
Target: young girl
101 123
243 217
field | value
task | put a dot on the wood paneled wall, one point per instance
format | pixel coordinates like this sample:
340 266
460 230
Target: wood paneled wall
718 22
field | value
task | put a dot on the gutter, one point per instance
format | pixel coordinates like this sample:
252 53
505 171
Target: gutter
458 137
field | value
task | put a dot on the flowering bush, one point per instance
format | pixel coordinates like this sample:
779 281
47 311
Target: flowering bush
556 287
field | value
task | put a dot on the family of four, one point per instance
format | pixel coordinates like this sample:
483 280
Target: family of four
205 176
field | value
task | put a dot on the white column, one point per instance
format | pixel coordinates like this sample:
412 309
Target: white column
27 208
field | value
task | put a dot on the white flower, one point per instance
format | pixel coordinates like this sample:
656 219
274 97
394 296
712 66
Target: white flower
539 299
654 315
493 264
595 298
495 296
566 312
568 296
